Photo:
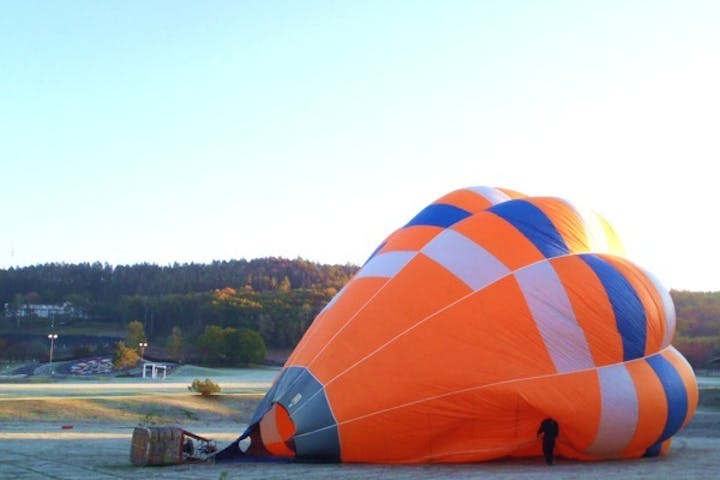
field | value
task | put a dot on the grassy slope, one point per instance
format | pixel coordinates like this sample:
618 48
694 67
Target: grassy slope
165 408
146 408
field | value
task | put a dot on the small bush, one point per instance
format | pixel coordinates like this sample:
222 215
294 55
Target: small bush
204 387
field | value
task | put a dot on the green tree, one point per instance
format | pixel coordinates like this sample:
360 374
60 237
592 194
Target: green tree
175 343
135 333
231 346
251 345
243 346
211 344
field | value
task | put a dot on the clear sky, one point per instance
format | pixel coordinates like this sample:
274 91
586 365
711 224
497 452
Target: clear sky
192 131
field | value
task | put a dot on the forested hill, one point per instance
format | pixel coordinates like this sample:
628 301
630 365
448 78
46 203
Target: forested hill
275 297
58 282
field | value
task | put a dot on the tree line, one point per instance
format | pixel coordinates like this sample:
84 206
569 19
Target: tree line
698 326
273 298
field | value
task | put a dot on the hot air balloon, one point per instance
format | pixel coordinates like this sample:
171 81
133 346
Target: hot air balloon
486 313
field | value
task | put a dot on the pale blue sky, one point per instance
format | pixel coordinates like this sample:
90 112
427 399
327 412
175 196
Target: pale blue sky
163 131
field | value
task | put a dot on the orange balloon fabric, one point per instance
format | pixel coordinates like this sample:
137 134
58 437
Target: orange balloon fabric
486 313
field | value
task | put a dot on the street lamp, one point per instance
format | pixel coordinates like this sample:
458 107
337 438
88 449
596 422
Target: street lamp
143 346
52 337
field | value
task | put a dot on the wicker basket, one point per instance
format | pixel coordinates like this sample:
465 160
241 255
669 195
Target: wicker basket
157 446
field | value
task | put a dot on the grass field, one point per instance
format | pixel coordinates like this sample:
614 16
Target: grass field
82 430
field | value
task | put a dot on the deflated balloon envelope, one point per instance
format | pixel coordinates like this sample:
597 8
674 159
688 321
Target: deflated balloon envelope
486 313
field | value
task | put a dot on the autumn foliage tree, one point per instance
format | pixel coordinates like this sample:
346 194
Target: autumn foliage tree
125 357
698 326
